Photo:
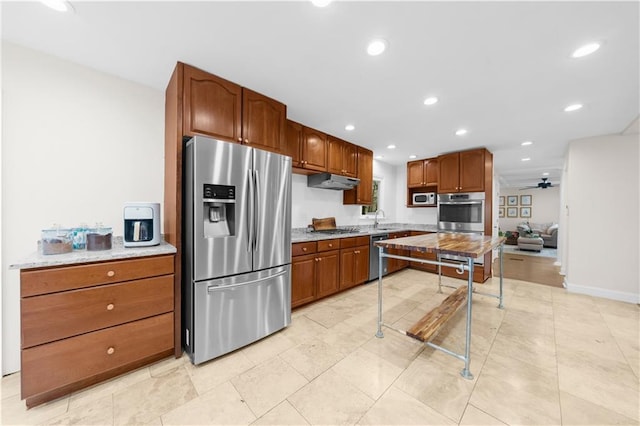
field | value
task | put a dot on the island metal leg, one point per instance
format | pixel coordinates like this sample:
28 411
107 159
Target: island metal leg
500 305
380 254
439 275
466 373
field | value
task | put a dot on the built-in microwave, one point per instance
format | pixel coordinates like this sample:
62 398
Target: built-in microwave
424 199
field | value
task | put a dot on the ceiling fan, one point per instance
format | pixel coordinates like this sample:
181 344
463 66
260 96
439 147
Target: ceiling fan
542 185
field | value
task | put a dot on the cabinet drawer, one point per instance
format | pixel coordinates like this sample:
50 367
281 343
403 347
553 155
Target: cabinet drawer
354 241
68 361
50 280
326 245
299 249
56 316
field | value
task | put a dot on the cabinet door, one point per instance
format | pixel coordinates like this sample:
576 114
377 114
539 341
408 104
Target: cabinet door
263 121
212 106
293 142
314 150
472 171
303 289
347 268
363 193
350 159
327 272
449 171
415 174
361 264
335 155
431 172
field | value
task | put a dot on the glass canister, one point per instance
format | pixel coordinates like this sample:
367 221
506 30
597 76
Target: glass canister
56 241
99 238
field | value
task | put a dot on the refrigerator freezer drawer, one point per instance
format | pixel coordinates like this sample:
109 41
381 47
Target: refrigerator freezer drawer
235 311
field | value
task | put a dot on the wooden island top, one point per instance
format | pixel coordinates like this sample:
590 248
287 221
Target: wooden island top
467 245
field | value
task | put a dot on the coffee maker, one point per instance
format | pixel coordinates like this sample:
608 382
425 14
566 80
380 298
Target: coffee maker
141 224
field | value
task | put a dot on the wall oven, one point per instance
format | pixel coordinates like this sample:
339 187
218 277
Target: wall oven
463 212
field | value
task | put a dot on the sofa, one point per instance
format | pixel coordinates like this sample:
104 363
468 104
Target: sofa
547 231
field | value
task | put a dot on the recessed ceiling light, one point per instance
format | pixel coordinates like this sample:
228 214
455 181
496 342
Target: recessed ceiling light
392 146
59 5
573 107
349 127
526 143
376 47
412 156
585 50
321 3
379 157
461 132
430 101
525 159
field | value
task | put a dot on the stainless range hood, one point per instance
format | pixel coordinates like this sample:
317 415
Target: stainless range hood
331 181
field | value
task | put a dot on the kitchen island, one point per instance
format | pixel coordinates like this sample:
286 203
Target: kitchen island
468 246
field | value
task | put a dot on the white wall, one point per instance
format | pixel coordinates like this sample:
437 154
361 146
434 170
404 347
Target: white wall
76 145
603 210
545 206
308 203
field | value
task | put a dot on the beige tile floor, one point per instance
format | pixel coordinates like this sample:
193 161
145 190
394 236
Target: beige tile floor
548 358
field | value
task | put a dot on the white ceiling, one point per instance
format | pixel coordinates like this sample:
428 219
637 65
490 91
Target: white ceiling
502 70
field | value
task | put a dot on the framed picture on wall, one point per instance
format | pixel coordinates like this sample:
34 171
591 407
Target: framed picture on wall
500 211
525 211
501 200
512 200
512 211
525 200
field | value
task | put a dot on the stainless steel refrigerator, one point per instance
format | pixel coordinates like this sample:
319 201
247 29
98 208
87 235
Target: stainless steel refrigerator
237 246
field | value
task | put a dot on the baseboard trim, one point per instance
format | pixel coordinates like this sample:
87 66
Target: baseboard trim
601 292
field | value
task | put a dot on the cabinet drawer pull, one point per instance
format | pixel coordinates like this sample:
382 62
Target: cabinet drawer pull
330 245
246 141
239 139
110 307
111 273
111 350
304 249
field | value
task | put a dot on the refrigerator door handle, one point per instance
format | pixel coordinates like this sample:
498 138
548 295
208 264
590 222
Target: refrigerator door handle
256 209
250 211
261 279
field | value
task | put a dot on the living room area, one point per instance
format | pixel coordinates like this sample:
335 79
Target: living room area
529 220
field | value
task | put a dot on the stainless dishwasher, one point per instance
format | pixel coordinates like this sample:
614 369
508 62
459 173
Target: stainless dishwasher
374 256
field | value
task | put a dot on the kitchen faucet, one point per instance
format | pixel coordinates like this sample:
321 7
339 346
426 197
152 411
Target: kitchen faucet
375 220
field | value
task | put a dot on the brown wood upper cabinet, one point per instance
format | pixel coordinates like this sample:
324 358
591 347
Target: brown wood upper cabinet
307 148
363 193
463 171
422 173
342 157
213 106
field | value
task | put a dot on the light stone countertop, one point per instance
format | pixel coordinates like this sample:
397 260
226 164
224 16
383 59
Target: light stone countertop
118 251
301 235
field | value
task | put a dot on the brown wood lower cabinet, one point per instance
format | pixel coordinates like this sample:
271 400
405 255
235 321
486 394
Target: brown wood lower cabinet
394 265
104 319
322 268
354 261
315 268
428 256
